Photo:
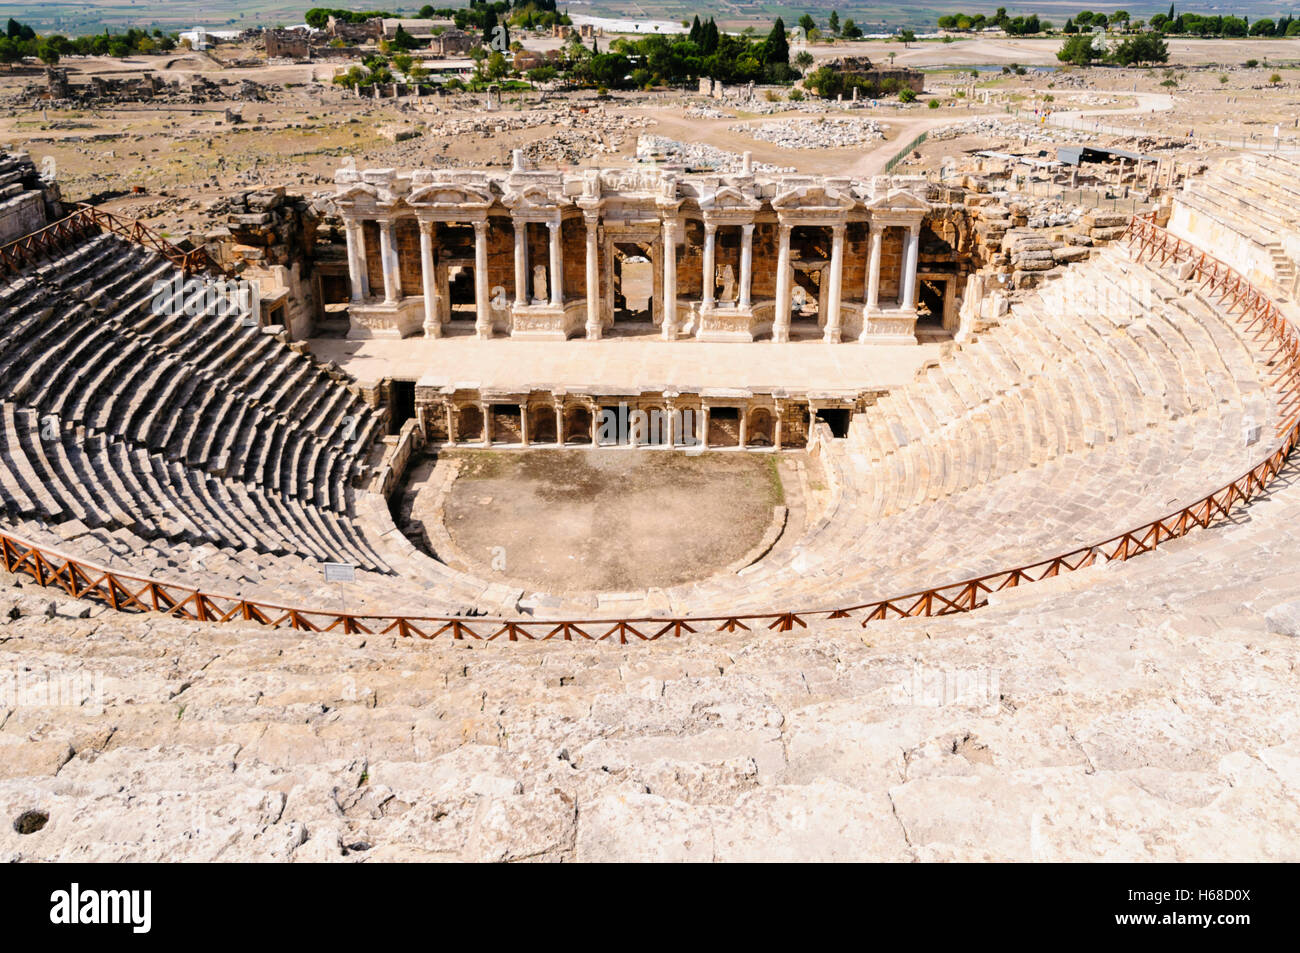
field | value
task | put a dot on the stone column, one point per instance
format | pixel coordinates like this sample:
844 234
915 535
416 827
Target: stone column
873 268
746 267
744 427
594 413
485 411
907 294
556 283
710 264
357 277
593 284
523 424
776 427
670 281
781 320
670 425
429 280
482 306
521 264
559 424
388 260
832 332
703 432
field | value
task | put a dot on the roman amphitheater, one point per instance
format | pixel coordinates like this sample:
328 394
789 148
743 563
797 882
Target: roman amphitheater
639 512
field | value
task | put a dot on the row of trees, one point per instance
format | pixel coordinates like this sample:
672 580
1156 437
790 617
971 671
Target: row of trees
20 41
1120 21
1194 24
834 27
705 51
1015 26
644 62
479 15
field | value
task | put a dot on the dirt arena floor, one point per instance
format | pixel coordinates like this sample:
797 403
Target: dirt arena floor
578 520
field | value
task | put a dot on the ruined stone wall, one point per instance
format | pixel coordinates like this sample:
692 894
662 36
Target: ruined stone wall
857 251
891 264
27 201
766 240
573 241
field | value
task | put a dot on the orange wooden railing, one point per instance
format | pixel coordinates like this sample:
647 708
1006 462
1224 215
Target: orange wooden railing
31 249
1258 315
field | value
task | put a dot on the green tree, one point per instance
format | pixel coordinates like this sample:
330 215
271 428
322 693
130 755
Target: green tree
1078 49
709 38
778 47
1142 48
833 24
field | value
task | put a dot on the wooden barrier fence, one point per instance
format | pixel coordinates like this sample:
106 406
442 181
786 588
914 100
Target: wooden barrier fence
1253 309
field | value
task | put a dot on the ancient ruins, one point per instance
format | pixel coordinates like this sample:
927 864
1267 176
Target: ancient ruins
563 473
563 248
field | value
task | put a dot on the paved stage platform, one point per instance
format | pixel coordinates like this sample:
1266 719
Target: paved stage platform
628 362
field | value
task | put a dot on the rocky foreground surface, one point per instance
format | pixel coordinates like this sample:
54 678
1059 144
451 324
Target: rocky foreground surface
1144 711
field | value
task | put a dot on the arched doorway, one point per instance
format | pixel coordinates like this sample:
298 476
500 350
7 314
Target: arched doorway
469 424
577 424
541 424
760 429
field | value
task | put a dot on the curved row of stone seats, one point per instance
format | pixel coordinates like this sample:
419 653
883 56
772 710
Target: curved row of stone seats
1070 423
1022 517
1171 672
1059 376
1255 197
84 338
61 476
1198 418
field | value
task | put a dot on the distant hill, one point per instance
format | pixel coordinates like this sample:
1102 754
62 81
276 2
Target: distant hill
95 15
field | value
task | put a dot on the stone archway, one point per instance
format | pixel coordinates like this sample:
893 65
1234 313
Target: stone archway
541 424
760 430
469 424
577 424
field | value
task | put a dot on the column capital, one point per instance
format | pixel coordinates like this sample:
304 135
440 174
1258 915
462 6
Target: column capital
480 227
748 228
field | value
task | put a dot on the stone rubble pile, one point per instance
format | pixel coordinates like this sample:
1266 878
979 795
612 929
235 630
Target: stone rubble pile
826 133
696 155
706 112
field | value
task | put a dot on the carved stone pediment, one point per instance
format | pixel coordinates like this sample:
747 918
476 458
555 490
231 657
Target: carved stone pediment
728 199
449 196
899 200
812 198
